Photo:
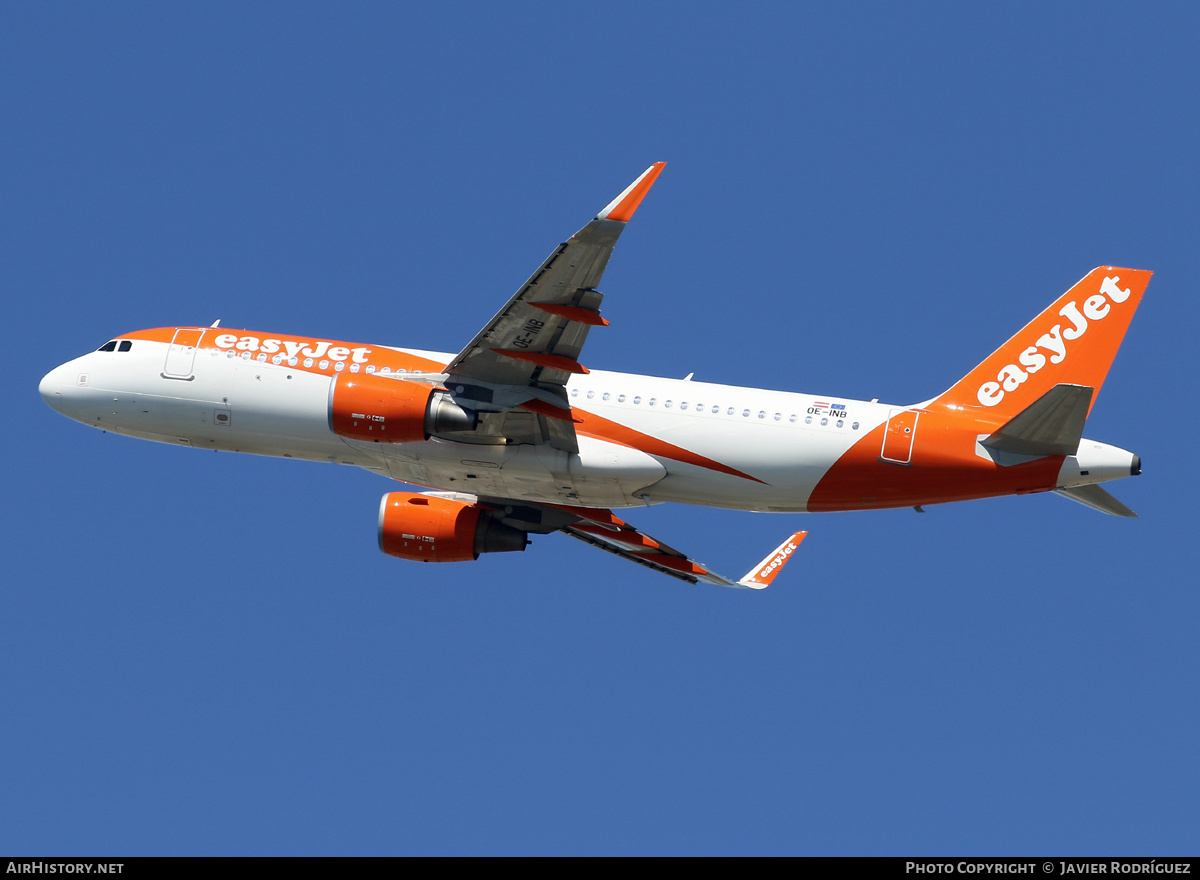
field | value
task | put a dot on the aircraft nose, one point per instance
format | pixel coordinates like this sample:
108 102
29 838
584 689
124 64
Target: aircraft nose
51 389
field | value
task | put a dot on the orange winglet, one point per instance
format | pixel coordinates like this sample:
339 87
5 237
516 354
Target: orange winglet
573 313
761 575
549 410
553 361
622 207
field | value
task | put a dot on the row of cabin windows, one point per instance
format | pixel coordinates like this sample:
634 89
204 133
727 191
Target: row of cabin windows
699 407
126 345
339 366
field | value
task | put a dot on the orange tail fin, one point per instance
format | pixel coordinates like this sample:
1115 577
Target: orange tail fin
1073 341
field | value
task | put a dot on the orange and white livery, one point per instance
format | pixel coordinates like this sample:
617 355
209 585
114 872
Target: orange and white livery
514 436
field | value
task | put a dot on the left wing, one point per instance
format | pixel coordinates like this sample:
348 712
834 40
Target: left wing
601 528
526 354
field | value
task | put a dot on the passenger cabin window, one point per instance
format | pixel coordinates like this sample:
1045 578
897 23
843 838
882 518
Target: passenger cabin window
108 346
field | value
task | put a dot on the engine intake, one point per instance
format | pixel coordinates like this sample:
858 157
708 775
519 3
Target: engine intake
426 528
370 406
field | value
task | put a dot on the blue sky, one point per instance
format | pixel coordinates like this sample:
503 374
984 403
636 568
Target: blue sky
206 653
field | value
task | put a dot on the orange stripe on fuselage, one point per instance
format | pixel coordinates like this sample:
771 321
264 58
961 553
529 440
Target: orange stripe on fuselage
944 467
601 428
276 344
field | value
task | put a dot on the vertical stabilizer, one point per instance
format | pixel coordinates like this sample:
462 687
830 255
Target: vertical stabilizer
1072 342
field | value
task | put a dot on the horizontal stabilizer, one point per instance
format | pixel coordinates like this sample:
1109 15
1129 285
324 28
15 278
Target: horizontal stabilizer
1051 425
1096 498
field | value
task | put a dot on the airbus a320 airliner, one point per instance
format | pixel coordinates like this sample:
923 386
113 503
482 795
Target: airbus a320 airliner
513 436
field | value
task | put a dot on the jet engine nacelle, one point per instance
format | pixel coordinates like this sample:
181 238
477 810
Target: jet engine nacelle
370 406
426 528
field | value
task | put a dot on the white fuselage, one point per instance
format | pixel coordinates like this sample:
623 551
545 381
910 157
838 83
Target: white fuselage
781 443
642 439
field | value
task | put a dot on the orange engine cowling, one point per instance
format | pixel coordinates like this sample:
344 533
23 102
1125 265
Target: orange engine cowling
426 528
370 406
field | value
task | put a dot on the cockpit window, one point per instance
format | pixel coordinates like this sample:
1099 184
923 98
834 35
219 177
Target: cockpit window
108 346
125 345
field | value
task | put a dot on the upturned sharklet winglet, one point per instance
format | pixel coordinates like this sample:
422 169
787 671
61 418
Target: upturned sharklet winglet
1051 425
623 206
760 577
